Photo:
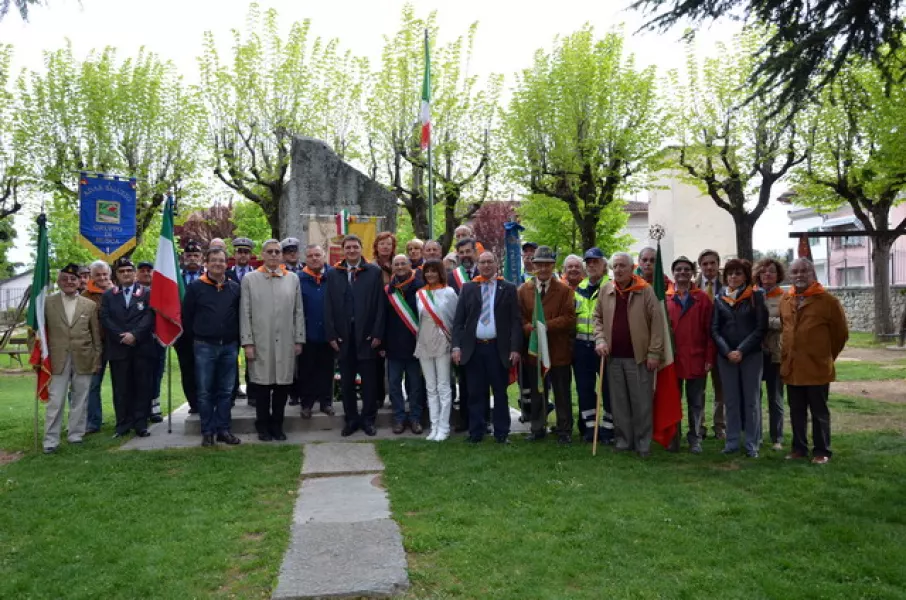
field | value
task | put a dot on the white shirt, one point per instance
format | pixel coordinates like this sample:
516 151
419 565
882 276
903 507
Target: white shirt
487 331
69 306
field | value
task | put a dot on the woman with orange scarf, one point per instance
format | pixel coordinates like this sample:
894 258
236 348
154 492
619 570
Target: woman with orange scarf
383 249
738 327
768 275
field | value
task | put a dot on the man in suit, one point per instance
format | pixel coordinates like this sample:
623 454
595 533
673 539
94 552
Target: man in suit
242 255
558 304
709 282
487 338
459 276
131 351
74 343
354 313
185 352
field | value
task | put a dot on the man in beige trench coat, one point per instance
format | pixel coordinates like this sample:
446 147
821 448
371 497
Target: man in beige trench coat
272 331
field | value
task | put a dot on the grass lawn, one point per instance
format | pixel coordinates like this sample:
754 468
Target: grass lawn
870 371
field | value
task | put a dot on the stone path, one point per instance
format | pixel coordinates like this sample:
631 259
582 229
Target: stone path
343 543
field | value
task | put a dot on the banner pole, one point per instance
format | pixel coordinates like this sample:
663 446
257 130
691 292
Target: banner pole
169 391
594 444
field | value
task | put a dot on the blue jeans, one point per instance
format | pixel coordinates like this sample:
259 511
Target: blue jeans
94 414
414 384
215 372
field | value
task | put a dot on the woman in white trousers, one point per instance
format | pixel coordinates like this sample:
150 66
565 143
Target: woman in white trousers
436 309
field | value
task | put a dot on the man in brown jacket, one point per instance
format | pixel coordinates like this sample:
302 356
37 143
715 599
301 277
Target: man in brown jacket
629 333
814 333
559 306
74 342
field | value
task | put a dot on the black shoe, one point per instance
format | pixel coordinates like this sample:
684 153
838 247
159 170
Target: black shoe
207 440
279 436
228 438
265 437
156 419
90 431
50 450
294 402
143 433
473 440
502 440
120 434
306 413
535 437
252 402
328 410
564 439
193 411
369 430
349 429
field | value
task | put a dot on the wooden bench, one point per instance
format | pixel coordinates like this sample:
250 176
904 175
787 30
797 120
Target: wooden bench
16 348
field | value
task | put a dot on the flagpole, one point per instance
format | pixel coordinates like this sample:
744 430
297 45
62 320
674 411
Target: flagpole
430 144
169 391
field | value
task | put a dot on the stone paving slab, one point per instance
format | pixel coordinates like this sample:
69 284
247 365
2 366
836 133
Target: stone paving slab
346 499
334 458
343 560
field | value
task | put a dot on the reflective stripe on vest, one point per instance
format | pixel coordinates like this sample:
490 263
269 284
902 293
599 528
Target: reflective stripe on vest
585 311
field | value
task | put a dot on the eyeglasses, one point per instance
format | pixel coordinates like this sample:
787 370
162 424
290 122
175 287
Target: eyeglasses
272 251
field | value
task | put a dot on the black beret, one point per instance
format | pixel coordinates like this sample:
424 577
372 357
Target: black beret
71 269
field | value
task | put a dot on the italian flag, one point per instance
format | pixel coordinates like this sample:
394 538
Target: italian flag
40 289
342 222
538 341
668 410
424 115
167 287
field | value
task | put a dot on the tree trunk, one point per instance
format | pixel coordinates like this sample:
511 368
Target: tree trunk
880 264
744 230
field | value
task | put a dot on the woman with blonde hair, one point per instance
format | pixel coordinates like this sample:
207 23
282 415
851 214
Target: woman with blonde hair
768 274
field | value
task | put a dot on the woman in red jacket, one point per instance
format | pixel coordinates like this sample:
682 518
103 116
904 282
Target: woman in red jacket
690 312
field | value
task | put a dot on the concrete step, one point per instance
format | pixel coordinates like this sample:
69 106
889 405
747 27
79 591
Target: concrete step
243 420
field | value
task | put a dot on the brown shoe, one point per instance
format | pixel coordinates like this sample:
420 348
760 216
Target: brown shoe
821 460
416 427
795 456
398 428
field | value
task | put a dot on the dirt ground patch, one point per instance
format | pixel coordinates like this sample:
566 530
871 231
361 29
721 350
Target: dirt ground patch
885 391
9 457
873 354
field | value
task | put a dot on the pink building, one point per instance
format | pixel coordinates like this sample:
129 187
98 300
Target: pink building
849 258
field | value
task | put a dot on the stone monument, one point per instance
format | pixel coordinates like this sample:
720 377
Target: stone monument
320 185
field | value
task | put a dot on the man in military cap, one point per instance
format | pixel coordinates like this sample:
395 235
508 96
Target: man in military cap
192 272
191 262
145 273
242 255
84 277
528 267
128 323
290 248
74 343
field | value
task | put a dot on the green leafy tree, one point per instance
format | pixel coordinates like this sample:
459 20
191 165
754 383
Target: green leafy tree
464 127
584 127
271 90
251 222
729 148
549 222
7 243
10 169
810 43
858 157
133 118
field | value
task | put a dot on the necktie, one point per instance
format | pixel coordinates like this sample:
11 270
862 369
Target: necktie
543 288
127 294
710 289
350 274
486 303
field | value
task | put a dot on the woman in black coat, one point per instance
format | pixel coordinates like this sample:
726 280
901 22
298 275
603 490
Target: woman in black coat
738 327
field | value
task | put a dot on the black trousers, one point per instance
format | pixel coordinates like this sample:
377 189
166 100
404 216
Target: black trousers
459 415
486 372
185 352
315 381
804 399
132 380
350 366
270 406
561 383
380 390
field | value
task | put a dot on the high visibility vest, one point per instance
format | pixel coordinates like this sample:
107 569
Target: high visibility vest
585 309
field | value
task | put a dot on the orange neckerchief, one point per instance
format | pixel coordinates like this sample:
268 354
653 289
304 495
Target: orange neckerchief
482 279
636 285
313 275
672 291
279 272
434 286
746 293
93 289
775 291
813 290
403 284
210 281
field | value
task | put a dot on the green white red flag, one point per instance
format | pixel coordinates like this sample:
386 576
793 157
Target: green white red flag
342 222
538 341
40 289
167 286
424 115
668 410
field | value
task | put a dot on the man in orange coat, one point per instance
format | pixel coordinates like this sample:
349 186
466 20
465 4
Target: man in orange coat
813 335
558 304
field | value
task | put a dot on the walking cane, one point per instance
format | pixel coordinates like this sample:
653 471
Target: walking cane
594 443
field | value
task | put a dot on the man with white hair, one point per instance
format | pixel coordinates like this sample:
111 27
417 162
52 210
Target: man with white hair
629 334
100 282
573 272
813 335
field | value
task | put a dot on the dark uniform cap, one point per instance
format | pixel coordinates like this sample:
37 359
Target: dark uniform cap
84 269
145 263
193 246
289 243
594 253
544 255
527 245
71 269
242 242
123 262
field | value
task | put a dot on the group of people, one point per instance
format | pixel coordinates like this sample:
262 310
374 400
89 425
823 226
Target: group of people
440 335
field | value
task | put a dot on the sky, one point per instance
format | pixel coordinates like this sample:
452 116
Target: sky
509 33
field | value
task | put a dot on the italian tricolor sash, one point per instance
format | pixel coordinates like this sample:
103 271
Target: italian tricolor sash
461 276
427 299
402 308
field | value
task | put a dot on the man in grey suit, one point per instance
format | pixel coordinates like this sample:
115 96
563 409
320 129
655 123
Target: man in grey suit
74 343
709 282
